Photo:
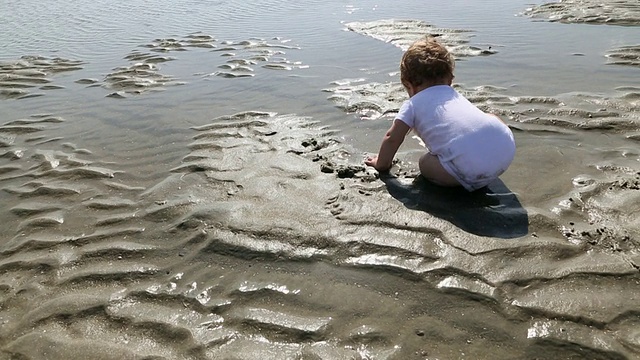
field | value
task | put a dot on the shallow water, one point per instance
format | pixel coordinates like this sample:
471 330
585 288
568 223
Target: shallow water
183 180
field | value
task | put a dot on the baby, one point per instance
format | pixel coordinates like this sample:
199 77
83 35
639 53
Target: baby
466 147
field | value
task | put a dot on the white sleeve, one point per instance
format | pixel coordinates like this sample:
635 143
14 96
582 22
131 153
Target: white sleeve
406 114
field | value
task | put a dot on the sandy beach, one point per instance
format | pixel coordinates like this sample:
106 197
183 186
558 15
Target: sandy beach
188 183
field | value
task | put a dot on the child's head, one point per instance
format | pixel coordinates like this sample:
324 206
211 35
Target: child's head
426 61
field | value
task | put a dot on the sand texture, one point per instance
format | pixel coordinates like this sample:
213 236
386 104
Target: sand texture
223 259
239 60
203 264
267 238
625 55
402 33
18 79
613 12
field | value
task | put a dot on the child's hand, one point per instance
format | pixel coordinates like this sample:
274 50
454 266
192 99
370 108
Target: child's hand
373 161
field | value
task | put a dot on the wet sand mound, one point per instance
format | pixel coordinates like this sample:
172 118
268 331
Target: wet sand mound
142 75
18 77
403 33
626 55
136 79
374 100
240 60
616 12
196 40
243 56
240 56
248 249
573 111
616 114
369 100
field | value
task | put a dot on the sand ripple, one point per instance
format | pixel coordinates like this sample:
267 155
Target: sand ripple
32 72
402 33
222 258
616 12
269 240
240 59
626 55
568 111
136 79
621 12
598 243
370 101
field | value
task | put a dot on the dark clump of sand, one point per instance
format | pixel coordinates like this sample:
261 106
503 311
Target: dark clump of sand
270 239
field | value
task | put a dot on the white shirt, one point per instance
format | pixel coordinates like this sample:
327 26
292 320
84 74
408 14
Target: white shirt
473 146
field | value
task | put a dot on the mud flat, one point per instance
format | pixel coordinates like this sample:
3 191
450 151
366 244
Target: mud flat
250 248
267 237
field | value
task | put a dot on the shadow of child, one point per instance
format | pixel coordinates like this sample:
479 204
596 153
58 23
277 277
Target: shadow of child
492 211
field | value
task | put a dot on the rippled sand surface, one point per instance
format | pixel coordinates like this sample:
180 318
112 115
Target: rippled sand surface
197 191
616 12
18 77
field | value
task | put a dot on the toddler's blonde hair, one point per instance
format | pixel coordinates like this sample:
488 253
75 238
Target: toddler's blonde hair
426 60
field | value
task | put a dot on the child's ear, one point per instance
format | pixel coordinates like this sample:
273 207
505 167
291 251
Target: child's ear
411 90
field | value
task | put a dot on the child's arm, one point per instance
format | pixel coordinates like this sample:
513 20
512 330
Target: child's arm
390 144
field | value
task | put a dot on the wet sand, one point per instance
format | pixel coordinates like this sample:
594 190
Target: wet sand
618 12
250 233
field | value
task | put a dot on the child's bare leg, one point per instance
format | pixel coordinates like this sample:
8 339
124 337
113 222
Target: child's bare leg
432 170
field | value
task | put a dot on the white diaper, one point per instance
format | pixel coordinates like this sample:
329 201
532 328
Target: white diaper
476 168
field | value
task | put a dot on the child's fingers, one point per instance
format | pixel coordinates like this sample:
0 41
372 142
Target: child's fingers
370 161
